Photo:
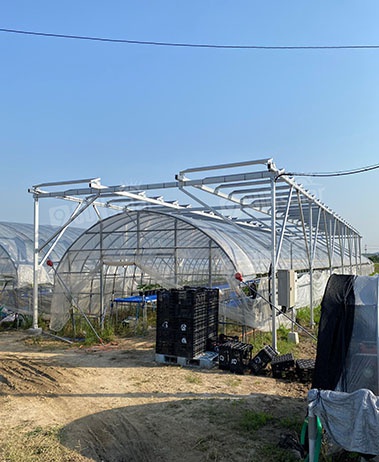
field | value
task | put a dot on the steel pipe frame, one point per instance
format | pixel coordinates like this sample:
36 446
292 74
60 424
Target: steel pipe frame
274 205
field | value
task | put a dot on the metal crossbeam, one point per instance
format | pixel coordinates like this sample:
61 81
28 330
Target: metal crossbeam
248 194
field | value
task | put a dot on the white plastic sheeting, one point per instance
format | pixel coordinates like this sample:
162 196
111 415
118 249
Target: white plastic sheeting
351 420
132 249
17 250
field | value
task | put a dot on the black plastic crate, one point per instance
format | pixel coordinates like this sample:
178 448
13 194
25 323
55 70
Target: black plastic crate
189 349
240 357
224 355
164 306
188 302
164 337
234 356
283 366
165 331
305 369
262 359
190 336
165 347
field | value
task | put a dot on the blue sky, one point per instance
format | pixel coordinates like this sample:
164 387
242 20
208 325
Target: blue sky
135 113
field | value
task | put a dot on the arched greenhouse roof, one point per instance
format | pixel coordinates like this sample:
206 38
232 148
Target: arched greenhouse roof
17 250
124 252
148 235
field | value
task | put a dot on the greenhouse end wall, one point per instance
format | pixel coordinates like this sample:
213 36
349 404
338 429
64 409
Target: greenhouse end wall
119 255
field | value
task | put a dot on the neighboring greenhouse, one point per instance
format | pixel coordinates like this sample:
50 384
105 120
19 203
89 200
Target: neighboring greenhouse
16 261
255 222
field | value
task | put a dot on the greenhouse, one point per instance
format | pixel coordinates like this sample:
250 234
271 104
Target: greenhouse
16 260
251 218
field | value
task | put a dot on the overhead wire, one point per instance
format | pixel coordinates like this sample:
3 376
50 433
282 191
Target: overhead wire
191 45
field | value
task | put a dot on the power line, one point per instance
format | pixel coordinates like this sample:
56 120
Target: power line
330 174
192 45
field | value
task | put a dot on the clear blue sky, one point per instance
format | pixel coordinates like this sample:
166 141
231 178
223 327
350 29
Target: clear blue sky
135 113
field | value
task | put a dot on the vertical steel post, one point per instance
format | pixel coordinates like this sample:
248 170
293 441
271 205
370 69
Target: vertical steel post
311 263
35 263
176 261
273 262
102 279
360 254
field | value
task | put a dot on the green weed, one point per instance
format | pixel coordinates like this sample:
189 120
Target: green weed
252 421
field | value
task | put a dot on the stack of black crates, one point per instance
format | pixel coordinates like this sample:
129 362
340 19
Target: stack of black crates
187 319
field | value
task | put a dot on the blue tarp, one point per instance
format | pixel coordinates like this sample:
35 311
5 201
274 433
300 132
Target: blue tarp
136 299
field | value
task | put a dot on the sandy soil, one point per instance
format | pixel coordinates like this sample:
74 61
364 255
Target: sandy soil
115 403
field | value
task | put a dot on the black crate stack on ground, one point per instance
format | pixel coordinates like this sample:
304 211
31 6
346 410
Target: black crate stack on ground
283 366
165 324
192 318
262 359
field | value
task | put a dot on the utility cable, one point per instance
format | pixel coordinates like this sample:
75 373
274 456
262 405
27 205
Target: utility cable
192 45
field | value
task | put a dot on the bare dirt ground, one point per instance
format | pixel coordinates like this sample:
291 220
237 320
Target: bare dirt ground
60 402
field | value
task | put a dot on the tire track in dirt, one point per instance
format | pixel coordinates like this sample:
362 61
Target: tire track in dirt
30 376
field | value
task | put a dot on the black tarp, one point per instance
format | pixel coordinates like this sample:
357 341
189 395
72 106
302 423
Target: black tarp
335 330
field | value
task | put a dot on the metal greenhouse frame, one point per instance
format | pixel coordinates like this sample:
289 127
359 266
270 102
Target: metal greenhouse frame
251 195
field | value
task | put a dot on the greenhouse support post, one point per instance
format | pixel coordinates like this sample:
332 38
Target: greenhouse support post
273 262
310 253
35 263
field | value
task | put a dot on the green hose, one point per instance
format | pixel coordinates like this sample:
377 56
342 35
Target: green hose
304 438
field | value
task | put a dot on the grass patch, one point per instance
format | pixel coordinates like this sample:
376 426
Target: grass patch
272 452
193 378
252 421
303 316
39 444
261 339
232 381
291 423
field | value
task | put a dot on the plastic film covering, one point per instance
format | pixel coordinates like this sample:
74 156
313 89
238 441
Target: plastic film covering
345 388
126 252
361 364
16 263
350 419
17 250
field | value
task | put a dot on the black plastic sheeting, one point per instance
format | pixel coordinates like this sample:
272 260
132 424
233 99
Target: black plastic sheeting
335 331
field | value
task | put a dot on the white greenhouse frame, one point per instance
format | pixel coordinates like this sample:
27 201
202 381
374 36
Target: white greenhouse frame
258 196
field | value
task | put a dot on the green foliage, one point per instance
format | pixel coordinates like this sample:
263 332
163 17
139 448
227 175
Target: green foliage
303 315
126 321
374 258
149 287
252 421
278 454
291 423
260 339
342 456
